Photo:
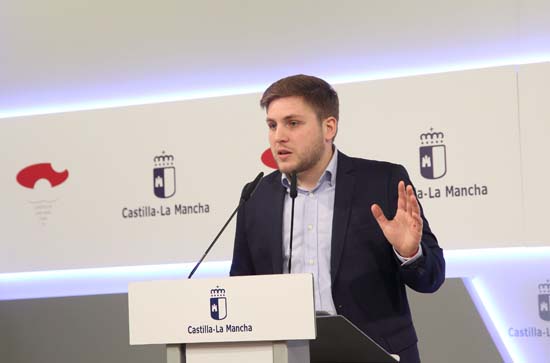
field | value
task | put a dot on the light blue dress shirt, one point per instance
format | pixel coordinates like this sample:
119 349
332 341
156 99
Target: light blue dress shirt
311 241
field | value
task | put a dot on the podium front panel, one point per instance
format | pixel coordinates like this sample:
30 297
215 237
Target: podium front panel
244 308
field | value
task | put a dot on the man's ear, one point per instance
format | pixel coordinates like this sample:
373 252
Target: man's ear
330 128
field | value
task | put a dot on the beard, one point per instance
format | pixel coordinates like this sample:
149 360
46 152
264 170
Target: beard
306 160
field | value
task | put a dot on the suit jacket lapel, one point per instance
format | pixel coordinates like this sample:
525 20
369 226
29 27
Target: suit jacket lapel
345 183
275 219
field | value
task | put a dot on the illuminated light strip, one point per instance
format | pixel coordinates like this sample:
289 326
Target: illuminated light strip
490 315
432 69
475 262
110 280
135 101
221 92
96 281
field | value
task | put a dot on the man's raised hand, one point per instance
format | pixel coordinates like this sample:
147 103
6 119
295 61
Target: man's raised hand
404 231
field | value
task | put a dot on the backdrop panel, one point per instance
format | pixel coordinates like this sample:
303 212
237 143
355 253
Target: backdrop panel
534 86
144 185
457 134
152 184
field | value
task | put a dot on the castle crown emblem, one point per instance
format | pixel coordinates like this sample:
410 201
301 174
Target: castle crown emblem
218 303
163 160
430 138
544 288
544 301
164 176
433 155
217 292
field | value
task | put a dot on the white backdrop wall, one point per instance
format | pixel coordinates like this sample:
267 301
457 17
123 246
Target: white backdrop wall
386 119
106 213
534 81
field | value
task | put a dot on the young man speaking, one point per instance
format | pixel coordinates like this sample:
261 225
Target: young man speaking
358 227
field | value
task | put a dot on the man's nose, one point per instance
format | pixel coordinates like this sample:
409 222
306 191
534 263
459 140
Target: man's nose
281 134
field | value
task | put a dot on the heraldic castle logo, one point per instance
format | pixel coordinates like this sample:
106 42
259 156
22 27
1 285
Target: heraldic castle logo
433 156
164 176
218 304
544 301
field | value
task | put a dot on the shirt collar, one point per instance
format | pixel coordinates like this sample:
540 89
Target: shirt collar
328 175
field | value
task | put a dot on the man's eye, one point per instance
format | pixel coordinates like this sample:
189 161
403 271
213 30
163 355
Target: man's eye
293 123
272 125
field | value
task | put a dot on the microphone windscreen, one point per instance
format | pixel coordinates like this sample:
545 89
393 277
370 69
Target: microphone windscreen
293 185
251 187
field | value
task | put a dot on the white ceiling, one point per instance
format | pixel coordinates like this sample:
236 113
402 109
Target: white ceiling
66 53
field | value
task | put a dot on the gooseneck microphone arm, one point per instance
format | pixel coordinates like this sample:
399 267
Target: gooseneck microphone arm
293 195
247 193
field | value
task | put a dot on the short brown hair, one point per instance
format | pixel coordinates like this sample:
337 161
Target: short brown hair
316 92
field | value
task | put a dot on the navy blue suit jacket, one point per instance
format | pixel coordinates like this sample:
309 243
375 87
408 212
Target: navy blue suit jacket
368 281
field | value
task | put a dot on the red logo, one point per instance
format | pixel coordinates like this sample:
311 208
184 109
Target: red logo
268 160
28 176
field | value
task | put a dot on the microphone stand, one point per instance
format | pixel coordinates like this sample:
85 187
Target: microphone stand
247 193
214 241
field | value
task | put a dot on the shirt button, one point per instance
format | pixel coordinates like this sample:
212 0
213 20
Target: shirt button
309 227
311 262
310 195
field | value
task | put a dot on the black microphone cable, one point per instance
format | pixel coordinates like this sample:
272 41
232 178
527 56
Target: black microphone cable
293 195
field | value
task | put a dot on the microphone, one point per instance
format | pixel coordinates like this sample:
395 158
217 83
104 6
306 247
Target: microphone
293 185
248 190
293 195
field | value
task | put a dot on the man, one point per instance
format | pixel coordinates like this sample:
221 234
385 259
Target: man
360 259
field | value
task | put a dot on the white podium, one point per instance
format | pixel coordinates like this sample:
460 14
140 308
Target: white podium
248 319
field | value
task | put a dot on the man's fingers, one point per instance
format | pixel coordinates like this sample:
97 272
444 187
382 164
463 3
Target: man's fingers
401 196
379 215
412 205
417 220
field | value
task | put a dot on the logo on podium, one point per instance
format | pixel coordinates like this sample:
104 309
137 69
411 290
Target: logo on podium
218 304
164 176
544 301
433 157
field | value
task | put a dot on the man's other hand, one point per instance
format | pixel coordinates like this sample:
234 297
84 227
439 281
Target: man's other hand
404 231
